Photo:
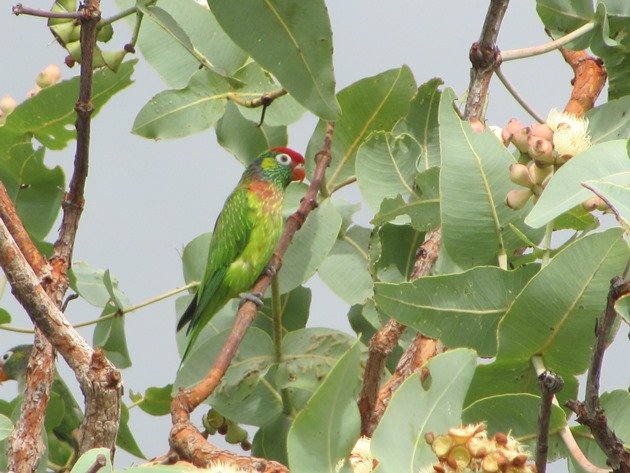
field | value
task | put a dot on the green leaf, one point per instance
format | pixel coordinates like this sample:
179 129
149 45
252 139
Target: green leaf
6 426
307 355
325 431
609 121
386 167
615 190
422 123
577 219
5 317
371 104
195 257
474 181
244 139
124 438
423 208
441 396
393 252
87 460
462 310
345 270
172 28
256 82
622 306
157 401
110 336
514 413
555 313
291 40
310 246
175 63
178 113
49 116
270 441
563 16
513 377
564 191
35 189
294 306
89 283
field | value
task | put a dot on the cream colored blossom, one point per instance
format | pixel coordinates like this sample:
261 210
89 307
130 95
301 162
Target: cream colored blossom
570 133
361 458
220 467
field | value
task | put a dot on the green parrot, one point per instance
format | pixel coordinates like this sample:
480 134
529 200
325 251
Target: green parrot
13 365
244 237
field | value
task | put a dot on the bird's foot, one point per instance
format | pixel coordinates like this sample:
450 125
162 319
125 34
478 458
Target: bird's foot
270 271
255 297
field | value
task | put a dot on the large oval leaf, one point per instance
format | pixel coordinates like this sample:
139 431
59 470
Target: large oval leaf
293 40
371 104
386 167
441 400
565 189
462 310
555 313
177 113
325 430
474 181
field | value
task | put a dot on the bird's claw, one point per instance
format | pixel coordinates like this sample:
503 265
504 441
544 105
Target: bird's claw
256 298
270 271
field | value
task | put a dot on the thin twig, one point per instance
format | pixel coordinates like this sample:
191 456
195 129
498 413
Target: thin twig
512 54
344 183
260 100
19 9
550 383
510 88
589 412
185 439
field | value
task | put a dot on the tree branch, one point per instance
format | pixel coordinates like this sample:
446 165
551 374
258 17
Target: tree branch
185 439
485 58
19 9
588 81
589 412
550 383
372 402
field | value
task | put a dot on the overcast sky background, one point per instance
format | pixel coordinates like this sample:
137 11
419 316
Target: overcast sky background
146 199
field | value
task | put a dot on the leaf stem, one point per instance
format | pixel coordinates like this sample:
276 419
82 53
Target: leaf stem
547 244
344 183
510 88
512 54
118 313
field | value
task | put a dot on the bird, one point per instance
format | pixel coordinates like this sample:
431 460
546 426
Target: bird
13 364
244 237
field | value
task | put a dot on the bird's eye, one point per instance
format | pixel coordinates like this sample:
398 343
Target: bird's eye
7 355
283 158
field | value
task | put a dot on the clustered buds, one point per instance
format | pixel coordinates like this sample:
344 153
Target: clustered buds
468 449
548 145
215 422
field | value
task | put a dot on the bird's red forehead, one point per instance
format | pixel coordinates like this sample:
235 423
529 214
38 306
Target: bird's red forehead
295 156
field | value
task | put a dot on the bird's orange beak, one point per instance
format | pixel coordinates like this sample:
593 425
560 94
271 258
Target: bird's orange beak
298 172
3 375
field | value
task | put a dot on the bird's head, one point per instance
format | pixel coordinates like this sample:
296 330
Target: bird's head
280 165
14 361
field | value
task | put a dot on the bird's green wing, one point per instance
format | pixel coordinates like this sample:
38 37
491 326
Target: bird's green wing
231 234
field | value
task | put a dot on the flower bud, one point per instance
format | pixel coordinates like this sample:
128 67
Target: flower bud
519 174
541 130
538 173
49 76
476 125
518 134
7 104
540 149
594 203
517 198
